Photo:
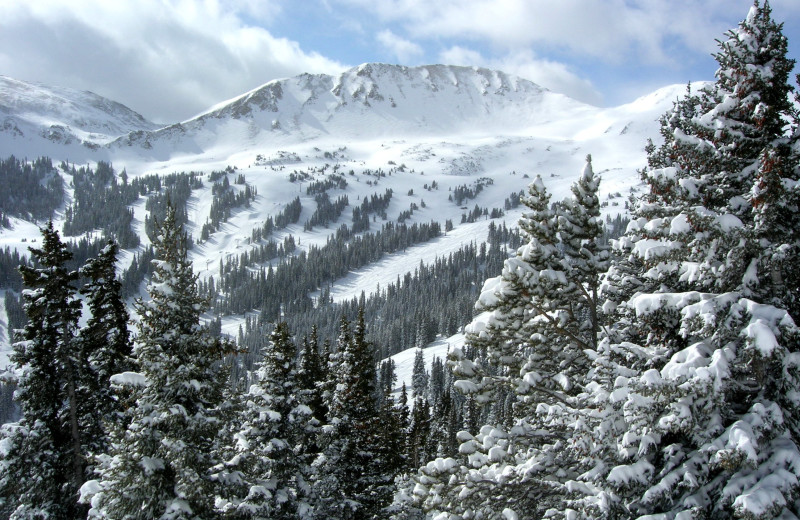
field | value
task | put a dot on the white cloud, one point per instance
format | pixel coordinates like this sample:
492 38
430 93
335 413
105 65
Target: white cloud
611 30
549 74
167 59
404 50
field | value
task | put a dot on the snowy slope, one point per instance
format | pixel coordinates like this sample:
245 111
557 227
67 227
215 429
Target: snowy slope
38 116
451 125
404 361
369 101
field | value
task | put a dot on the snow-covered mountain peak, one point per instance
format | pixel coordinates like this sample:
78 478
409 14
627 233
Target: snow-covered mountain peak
32 112
373 100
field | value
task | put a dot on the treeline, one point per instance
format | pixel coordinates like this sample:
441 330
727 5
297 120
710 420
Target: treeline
285 288
289 215
224 200
101 202
31 190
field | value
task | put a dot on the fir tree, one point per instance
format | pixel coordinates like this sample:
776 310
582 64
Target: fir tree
693 392
159 467
419 376
356 472
42 464
105 342
268 470
311 374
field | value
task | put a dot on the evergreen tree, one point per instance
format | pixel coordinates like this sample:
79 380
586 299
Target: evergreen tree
159 467
690 411
543 309
310 376
42 465
420 445
727 152
419 376
356 472
106 346
268 470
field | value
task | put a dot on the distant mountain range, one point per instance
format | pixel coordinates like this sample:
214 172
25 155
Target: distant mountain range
63 115
366 102
426 133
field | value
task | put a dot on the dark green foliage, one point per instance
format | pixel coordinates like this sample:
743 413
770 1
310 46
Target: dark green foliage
310 375
326 211
225 200
140 268
177 190
373 204
15 311
288 285
514 200
10 260
44 469
160 464
31 190
361 457
465 192
398 313
105 345
9 411
101 202
289 215
334 181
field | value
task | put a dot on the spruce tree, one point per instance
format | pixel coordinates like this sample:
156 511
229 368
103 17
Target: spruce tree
691 403
419 376
159 466
42 464
727 150
542 311
268 469
311 374
106 345
356 471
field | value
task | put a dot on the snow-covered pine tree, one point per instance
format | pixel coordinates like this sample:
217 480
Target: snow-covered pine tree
107 347
355 473
269 458
159 466
539 331
541 314
706 180
693 401
41 460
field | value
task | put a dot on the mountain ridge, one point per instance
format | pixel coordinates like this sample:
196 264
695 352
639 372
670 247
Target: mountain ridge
373 99
346 125
64 115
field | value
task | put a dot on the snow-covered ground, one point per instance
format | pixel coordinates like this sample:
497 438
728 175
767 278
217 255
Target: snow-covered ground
455 145
404 361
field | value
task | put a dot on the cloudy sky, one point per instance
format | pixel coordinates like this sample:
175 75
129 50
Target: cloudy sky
170 59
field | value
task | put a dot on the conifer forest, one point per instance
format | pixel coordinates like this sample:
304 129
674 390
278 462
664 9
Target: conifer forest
644 365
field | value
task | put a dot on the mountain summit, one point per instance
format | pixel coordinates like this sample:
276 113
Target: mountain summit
32 111
369 101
